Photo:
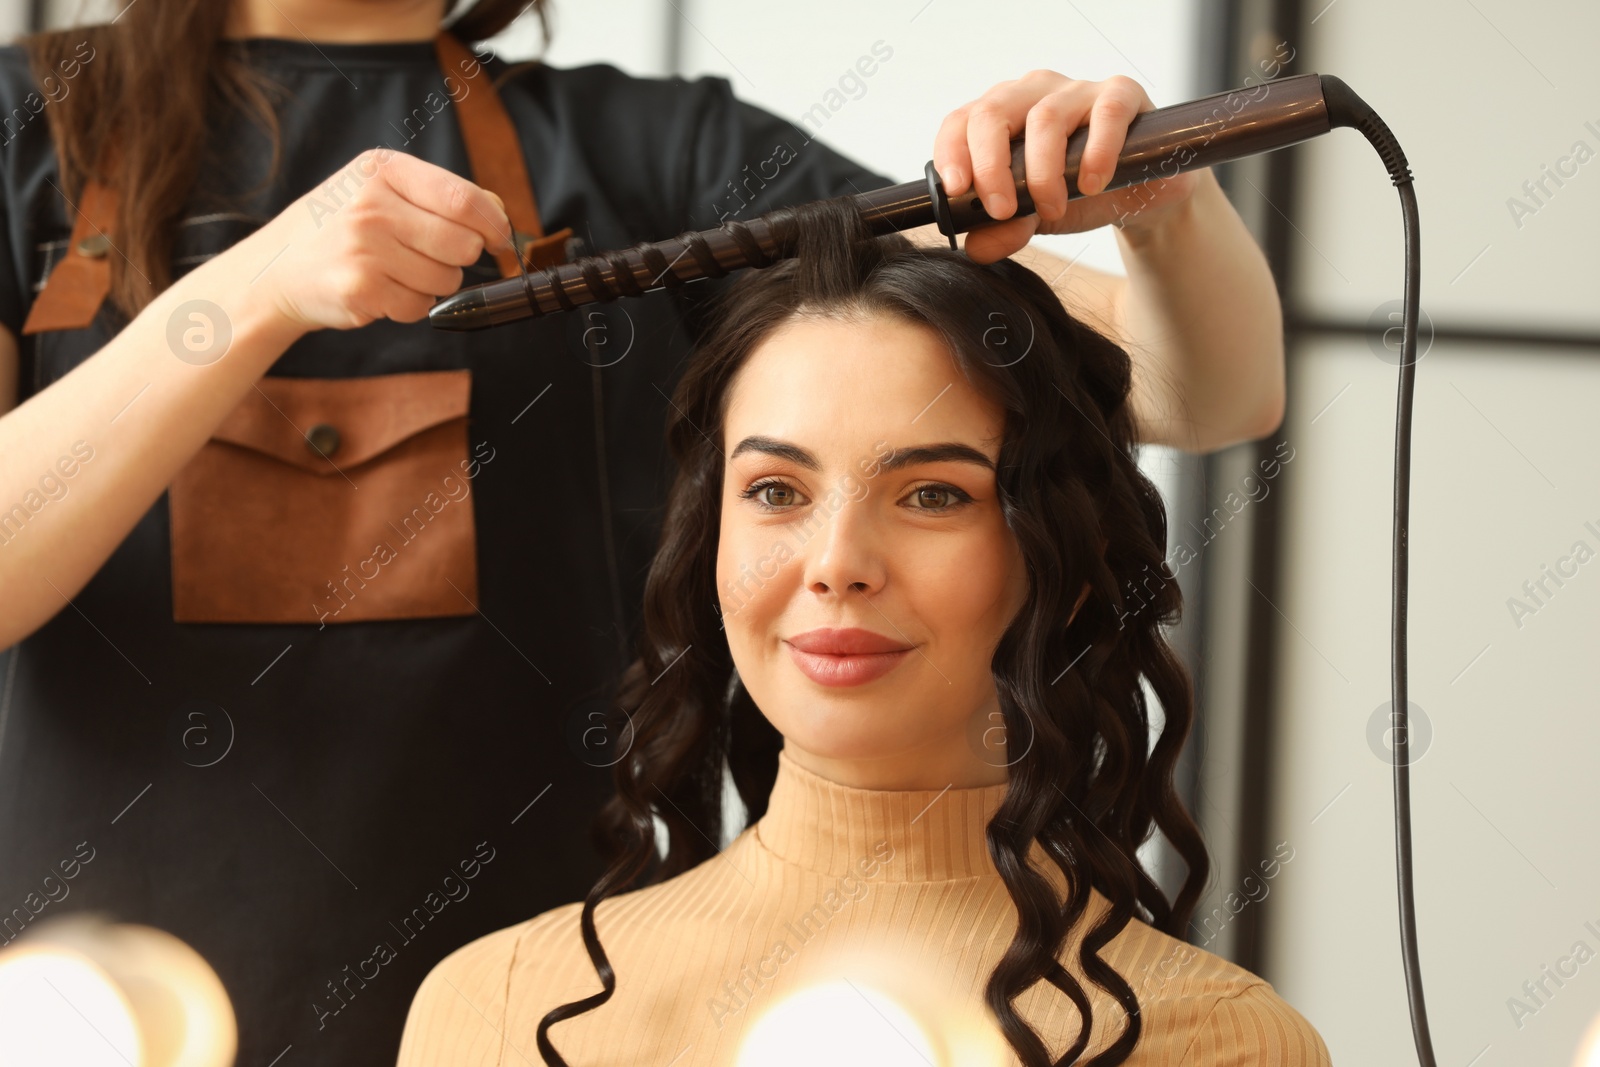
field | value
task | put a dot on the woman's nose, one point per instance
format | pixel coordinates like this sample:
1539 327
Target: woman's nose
847 551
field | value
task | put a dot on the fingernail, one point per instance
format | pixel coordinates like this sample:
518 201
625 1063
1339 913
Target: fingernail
995 203
1087 180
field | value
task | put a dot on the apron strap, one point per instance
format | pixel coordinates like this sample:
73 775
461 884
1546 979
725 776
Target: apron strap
77 285
497 161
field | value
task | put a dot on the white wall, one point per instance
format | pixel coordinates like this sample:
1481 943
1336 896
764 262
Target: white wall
629 34
13 19
1506 472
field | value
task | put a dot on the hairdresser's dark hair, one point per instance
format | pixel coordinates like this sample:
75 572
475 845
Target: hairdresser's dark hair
114 87
1087 788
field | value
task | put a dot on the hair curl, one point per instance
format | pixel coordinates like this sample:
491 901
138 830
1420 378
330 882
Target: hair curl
1088 788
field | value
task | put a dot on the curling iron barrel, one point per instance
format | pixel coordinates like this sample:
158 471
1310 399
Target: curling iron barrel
1159 144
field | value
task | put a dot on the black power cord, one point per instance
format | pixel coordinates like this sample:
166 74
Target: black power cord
1345 108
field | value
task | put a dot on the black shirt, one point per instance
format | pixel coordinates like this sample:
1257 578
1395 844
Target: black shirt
307 806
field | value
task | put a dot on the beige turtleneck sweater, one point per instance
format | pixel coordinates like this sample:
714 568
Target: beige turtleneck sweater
847 926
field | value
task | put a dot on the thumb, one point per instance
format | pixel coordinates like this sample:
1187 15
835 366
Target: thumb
997 240
509 229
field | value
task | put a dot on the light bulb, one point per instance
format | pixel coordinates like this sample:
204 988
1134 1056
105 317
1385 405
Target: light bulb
863 1007
58 1006
1589 1047
82 991
842 1023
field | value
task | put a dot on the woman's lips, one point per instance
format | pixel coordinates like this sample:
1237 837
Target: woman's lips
846 670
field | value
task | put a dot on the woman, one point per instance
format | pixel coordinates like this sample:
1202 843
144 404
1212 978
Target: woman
302 677
890 599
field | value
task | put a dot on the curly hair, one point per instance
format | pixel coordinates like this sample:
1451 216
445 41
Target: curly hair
1088 788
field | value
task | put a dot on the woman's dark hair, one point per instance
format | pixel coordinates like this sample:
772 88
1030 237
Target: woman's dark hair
145 84
1088 788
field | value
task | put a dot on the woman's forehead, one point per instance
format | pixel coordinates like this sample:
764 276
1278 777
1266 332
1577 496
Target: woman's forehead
850 380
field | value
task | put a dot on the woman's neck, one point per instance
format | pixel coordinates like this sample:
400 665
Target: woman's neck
338 21
893 835
936 766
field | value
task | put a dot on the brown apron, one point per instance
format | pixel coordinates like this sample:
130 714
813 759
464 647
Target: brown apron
329 499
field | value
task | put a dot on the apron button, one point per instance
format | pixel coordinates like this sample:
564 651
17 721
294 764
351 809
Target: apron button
322 439
94 246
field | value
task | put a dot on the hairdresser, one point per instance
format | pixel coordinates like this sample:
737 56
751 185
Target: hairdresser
313 612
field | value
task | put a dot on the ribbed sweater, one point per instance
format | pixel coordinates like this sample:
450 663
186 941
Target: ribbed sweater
846 926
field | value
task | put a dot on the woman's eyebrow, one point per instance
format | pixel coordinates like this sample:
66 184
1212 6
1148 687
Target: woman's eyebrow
944 451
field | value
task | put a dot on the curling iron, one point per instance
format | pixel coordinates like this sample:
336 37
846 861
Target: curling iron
1160 143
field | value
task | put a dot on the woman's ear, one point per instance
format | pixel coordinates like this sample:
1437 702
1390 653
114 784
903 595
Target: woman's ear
1081 598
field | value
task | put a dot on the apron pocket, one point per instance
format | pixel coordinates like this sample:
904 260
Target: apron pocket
330 500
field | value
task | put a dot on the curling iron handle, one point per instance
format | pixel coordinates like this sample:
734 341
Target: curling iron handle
1189 136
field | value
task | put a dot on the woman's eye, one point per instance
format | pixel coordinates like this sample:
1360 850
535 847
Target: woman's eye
776 495
928 498
770 495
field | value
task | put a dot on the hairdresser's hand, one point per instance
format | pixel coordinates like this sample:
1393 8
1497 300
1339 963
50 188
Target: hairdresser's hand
385 237
973 145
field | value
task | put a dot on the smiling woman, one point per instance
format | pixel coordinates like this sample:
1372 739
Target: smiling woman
918 579
888 604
